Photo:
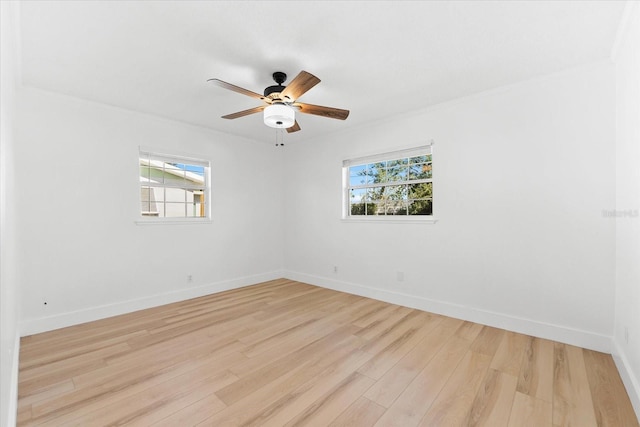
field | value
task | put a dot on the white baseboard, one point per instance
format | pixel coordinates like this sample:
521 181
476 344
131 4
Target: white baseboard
44 324
629 378
12 404
535 328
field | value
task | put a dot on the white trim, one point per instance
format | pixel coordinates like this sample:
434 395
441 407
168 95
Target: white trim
389 155
577 337
393 219
44 324
12 409
629 378
169 156
165 221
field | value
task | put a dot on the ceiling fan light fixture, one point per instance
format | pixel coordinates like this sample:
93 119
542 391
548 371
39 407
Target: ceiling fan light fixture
279 116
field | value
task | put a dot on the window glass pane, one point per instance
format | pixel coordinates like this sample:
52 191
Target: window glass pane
421 207
196 170
420 171
154 174
146 194
358 209
359 175
397 162
358 195
375 193
176 195
376 208
421 191
397 208
418 159
173 176
158 194
144 173
395 192
376 172
160 210
193 210
358 180
397 173
175 210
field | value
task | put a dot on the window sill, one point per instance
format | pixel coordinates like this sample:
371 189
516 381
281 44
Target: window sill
173 221
392 219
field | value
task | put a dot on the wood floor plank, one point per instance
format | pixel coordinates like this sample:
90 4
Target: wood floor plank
572 402
527 411
82 402
272 371
510 352
493 402
487 341
387 389
536 373
362 413
414 402
288 353
610 400
292 404
264 403
401 345
324 410
127 408
454 403
193 414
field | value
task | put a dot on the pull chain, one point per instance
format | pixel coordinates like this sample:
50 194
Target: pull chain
279 137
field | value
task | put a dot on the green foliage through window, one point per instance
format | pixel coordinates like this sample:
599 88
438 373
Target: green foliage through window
397 186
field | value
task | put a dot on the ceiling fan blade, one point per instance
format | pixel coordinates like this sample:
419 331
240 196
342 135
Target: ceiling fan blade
245 112
318 110
238 89
294 128
299 85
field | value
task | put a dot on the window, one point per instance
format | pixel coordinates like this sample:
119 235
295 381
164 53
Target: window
390 185
173 187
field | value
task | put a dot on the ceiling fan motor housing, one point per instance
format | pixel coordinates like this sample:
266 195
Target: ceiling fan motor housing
273 89
279 77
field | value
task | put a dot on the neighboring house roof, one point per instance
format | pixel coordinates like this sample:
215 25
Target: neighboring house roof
168 168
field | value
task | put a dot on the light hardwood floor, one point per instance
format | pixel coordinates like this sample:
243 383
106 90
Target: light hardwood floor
284 353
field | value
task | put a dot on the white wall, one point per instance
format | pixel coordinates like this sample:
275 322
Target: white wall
9 294
522 176
92 260
627 303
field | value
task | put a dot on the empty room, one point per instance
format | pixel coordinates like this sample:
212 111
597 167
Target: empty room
345 213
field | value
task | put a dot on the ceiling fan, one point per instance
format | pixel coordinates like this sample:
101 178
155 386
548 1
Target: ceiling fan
280 102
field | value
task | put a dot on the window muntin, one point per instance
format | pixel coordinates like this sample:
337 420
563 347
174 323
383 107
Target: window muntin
173 187
391 184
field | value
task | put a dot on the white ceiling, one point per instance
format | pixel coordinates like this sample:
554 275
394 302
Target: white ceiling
374 58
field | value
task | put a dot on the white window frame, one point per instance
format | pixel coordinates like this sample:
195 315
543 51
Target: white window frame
392 155
169 157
